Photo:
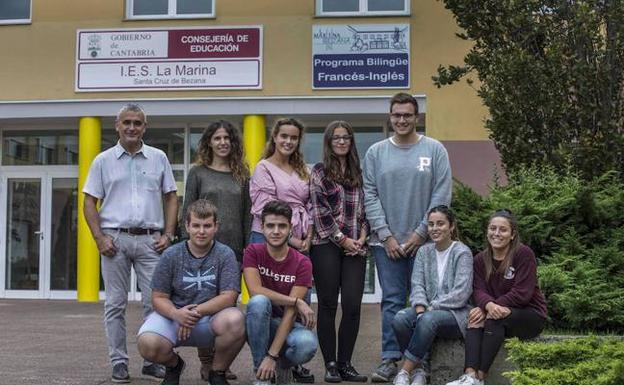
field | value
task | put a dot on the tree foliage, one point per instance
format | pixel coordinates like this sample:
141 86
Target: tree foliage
551 73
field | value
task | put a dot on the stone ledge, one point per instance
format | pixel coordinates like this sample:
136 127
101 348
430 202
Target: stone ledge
447 361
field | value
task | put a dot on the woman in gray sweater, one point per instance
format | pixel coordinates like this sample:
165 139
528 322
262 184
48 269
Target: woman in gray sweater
221 176
441 288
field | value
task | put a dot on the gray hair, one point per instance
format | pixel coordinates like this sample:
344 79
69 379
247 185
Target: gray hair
131 107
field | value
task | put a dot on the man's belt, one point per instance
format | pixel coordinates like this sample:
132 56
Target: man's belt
138 231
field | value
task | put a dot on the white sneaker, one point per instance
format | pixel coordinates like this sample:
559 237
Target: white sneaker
419 377
466 379
402 378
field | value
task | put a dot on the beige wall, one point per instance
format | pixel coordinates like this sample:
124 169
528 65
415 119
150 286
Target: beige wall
39 59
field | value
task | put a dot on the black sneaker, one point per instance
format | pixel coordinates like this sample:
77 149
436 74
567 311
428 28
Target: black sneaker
217 377
153 370
172 375
332 374
302 375
120 373
348 373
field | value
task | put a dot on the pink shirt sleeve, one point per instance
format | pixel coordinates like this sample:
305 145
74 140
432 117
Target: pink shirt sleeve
261 189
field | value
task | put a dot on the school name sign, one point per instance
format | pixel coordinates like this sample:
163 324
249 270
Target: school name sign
169 59
360 56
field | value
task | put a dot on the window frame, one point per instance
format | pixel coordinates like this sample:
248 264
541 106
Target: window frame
19 21
171 14
362 10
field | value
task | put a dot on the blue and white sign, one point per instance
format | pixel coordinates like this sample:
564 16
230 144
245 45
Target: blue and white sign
360 56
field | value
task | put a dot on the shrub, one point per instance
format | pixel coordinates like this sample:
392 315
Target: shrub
577 361
576 229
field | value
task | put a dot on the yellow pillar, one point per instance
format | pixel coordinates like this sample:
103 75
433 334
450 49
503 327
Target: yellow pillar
254 138
89 144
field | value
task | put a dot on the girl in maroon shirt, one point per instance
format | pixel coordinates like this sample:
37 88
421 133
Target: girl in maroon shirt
508 300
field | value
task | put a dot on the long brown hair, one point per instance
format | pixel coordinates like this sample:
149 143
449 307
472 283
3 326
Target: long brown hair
236 159
352 175
513 245
296 158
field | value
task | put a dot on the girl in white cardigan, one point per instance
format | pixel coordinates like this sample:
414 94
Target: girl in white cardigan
441 289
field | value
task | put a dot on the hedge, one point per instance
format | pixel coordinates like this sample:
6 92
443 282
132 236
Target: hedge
577 361
575 227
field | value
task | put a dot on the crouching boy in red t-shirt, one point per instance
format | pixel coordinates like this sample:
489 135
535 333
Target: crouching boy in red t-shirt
279 322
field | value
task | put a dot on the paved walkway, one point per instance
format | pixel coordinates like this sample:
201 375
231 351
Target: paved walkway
63 342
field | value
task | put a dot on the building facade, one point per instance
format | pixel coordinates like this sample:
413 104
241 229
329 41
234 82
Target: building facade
69 65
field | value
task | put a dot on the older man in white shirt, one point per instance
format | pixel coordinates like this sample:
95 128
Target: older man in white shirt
132 180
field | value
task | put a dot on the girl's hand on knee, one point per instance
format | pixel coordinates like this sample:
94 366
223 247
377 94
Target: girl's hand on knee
476 317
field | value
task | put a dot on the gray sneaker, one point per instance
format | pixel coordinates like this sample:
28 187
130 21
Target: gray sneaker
385 372
120 373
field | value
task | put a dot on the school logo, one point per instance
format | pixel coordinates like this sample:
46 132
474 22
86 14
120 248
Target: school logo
510 273
95 45
199 278
424 162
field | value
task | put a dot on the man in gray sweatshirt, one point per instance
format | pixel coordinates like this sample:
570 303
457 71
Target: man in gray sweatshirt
404 176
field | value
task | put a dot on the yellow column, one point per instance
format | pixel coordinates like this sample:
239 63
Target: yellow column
254 138
89 144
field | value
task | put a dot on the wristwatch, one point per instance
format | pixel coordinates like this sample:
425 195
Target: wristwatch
384 239
171 237
338 237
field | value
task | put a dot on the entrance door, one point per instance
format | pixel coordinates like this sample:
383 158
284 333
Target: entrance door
38 244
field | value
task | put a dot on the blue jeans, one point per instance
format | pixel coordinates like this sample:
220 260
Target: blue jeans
256 237
301 343
416 334
394 278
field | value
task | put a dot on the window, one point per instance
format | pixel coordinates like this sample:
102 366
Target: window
362 7
15 12
39 147
169 9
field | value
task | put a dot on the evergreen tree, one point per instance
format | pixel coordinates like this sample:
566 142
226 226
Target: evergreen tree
551 73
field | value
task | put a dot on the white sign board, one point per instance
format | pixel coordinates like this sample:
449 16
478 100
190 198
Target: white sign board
169 59
361 56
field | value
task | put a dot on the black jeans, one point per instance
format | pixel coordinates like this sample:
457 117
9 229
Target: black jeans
482 344
335 272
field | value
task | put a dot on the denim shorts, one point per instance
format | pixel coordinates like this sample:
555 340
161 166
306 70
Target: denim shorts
201 335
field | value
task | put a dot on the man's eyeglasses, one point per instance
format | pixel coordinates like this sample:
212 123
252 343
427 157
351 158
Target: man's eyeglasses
402 116
338 138
137 123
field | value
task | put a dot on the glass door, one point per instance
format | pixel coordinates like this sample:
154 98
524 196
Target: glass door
38 245
23 237
61 247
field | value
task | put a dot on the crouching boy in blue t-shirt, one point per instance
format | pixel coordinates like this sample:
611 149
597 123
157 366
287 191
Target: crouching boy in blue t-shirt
194 291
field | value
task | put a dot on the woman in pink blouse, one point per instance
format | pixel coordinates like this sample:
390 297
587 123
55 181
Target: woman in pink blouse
283 175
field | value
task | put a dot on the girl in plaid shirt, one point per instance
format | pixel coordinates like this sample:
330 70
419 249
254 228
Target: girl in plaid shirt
338 248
